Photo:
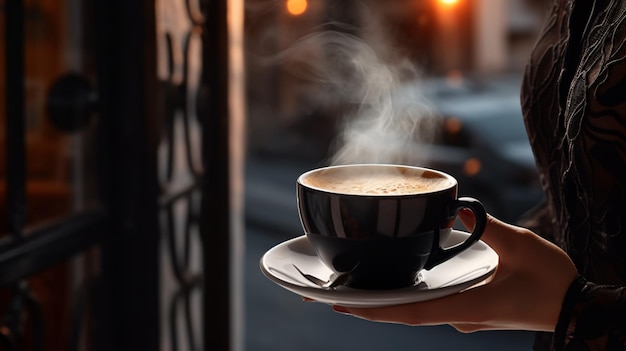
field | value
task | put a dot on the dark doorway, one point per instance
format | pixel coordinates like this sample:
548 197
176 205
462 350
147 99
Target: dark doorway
102 247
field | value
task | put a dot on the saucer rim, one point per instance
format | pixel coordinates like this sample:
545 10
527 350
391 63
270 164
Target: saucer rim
351 297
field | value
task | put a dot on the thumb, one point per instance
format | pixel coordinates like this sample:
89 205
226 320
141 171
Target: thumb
497 234
467 218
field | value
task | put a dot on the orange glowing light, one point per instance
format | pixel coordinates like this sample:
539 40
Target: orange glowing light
453 125
472 166
449 2
297 7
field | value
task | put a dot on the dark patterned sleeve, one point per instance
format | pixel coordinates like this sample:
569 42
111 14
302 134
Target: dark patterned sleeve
593 317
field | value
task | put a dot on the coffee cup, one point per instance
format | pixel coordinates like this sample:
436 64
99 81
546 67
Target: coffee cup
381 223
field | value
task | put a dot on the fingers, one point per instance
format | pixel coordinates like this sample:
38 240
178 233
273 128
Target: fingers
497 234
462 308
467 217
463 327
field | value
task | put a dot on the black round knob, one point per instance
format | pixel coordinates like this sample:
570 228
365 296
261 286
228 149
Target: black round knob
71 102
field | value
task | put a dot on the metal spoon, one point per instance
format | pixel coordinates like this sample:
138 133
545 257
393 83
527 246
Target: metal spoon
333 281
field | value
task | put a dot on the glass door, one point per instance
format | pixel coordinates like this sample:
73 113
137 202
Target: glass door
121 125
79 230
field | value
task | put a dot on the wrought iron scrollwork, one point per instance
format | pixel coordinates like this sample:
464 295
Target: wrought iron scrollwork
181 165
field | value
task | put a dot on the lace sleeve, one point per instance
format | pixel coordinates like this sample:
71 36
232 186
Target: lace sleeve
593 317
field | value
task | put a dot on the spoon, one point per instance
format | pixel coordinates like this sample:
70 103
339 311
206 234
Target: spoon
333 281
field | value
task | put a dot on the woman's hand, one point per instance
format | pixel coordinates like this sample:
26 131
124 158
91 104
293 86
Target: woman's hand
525 293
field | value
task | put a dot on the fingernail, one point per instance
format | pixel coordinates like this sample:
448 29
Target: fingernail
466 212
340 309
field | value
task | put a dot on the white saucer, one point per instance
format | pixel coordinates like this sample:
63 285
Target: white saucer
470 267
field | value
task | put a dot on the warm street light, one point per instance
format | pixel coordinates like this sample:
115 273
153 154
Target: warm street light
296 7
449 2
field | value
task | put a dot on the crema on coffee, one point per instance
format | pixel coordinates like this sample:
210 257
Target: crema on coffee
362 181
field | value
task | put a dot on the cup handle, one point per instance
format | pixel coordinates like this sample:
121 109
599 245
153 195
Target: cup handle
439 255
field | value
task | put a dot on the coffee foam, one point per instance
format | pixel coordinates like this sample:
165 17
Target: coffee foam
360 182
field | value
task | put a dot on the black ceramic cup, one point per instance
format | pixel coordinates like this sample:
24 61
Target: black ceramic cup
382 223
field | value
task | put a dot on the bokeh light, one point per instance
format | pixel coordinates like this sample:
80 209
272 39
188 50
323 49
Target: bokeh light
472 166
297 7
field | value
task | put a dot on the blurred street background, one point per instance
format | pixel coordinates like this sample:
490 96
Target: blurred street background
328 82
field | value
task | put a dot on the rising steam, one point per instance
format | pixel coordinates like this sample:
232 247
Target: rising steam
386 118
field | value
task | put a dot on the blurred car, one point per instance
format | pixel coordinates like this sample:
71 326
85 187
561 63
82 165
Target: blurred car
481 140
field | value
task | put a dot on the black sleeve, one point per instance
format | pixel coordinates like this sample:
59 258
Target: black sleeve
593 317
